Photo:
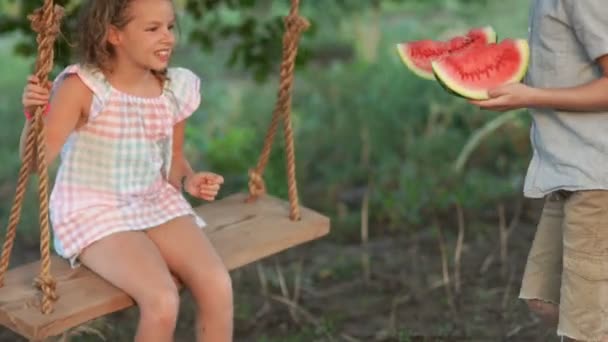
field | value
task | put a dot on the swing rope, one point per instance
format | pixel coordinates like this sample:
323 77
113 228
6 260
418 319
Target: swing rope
45 21
295 25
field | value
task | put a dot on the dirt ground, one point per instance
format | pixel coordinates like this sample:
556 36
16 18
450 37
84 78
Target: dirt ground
323 291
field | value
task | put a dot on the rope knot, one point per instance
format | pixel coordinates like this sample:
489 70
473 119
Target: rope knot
296 23
47 22
47 285
257 187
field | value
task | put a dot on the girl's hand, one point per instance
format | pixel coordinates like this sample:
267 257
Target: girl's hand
203 185
507 97
35 95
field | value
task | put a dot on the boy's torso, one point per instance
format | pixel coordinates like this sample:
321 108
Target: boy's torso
570 150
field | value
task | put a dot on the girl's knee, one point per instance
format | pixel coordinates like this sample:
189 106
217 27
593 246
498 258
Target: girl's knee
215 287
547 311
160 304
539 306
222 284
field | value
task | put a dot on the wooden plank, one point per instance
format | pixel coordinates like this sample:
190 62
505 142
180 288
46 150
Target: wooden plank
241 232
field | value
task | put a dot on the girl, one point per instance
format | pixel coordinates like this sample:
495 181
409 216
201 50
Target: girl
118 118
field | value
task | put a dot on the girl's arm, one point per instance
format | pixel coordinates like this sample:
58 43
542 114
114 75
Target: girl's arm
180 167
204 185
68 106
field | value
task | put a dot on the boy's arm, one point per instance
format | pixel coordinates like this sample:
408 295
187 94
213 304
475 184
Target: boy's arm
592 96
589 97
588 22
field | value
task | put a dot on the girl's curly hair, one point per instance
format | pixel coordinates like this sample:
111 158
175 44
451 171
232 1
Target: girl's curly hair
93 24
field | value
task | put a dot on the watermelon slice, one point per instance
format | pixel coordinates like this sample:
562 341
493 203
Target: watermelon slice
473 72
418 55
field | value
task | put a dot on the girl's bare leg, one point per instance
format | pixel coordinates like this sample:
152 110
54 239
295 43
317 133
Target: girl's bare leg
132 262
193 259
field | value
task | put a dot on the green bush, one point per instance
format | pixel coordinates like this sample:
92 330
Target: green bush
361 121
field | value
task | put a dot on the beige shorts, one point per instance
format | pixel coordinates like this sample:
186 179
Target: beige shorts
568 262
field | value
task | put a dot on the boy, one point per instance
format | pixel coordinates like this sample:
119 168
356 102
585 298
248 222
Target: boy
566 90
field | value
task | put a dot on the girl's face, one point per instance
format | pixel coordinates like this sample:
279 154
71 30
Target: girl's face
148 39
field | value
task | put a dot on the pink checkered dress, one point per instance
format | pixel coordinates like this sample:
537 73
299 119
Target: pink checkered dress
113 172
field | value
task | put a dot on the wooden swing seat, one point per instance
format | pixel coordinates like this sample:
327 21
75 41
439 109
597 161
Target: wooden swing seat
241 232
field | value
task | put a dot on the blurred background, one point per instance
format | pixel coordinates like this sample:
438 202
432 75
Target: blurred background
429 228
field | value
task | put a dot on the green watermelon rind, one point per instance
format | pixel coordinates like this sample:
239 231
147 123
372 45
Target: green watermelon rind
410 64
452 84
490 34
446 88
488 30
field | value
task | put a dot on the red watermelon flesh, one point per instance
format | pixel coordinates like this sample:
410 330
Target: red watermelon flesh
473 72
418 55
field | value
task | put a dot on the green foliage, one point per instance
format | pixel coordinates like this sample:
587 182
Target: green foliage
351 136
254 39
401 146
251 30
360 123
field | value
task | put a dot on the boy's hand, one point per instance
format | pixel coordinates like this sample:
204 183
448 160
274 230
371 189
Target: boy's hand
203 185
507 97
